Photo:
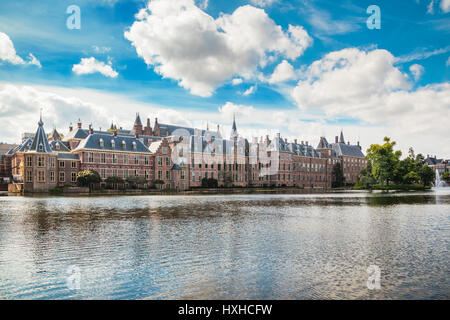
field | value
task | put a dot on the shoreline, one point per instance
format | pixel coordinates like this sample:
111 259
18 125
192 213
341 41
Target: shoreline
219 191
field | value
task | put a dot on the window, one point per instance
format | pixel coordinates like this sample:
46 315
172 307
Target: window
73 176
102 158
160 175
41 162
52 176
114 172
52 162
159 161
125 173
101 142
134 145
136 173
125 159
90 157
29 176
147 175
124 144
167 161
113 144
62 177
62 164
182 175
103 173
114 158
193 176
74 164
29 161
146 161
167 175
164 150
41 176
136 159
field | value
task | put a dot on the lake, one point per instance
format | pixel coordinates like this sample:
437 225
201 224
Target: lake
226 246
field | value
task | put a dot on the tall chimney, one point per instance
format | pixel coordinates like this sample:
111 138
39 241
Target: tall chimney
70 127
348 142
336 139
285 140
306 142
295 141
79 123
91 130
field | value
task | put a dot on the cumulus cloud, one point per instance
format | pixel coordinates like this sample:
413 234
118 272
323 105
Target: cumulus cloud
417 71
92 65
229 109
8 52
283 72
367 86
182 42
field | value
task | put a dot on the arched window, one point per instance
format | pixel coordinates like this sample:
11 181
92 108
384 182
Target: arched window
41 147
113 143
101 142
124 144
57 146
134 145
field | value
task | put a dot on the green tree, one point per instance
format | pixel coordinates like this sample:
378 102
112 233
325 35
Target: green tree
384 160
445 175
427 175
86 178
338 176
226 177
114 181
209 183
135 181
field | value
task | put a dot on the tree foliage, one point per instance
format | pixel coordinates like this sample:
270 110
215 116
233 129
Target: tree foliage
87 177
338 176
209 183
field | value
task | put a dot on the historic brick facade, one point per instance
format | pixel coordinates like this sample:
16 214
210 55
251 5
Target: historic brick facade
172 160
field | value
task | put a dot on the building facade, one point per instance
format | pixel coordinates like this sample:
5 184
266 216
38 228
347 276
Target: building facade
176 157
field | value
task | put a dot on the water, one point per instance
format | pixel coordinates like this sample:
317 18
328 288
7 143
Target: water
438 183
225 247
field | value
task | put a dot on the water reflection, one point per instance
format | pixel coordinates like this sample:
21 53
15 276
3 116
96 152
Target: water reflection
216 247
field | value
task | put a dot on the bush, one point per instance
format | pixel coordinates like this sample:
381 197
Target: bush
87 177
56 190
209 183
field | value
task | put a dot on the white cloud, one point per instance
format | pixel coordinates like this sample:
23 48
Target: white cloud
98 49
283 72
263 3
236 81
417 71
92 65
448 62
8 52
445 5
229 109
421 54
250 91
368 87
324 24
184 43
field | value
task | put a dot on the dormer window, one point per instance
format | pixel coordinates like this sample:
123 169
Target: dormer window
124 144
102 143
134 145
113 143
41 147
57 146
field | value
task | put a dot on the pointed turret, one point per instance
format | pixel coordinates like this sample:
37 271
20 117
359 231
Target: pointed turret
40 143
234 133
54 135
341 138
137 122
138 130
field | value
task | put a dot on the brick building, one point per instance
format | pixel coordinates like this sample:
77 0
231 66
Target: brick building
176 157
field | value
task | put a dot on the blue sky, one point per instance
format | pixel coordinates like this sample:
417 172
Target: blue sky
412 32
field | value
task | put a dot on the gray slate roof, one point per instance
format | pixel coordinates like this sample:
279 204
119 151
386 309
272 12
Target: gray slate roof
68 156
121 143
343 149
40 143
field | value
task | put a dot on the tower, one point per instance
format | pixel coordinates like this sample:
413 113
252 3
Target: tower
138 130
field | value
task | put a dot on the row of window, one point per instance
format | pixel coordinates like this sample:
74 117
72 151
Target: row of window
115 159
41 162
41 176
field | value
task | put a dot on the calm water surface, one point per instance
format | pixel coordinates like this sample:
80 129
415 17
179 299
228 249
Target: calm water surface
225 247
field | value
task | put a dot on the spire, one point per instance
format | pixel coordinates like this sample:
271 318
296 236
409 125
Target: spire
341 139
138 122
234 133
55 135
40 123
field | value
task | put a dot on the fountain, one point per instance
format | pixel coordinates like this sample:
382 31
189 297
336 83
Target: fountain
438 183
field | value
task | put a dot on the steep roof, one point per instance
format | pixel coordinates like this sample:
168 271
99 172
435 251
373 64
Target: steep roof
55 135
343 149
323 143
40 143
138 121
341 138
110 142
60 146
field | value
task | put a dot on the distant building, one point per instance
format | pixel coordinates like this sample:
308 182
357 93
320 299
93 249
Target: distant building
441 165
